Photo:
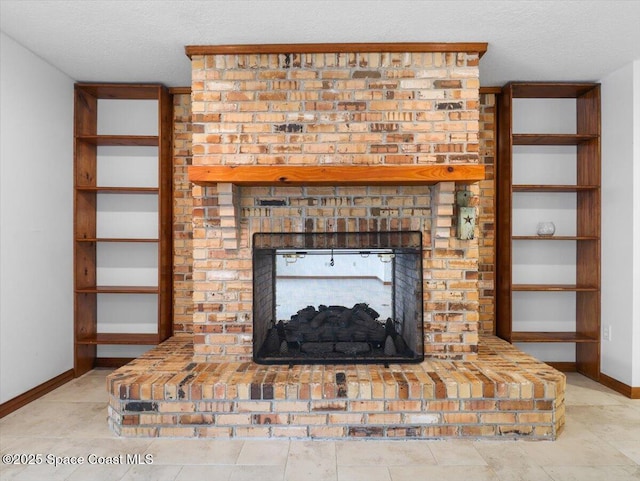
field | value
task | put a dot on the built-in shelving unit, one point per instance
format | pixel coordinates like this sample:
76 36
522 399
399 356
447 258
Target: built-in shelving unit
548 287
122 219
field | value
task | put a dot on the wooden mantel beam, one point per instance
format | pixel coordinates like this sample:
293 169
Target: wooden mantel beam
338 175
471 47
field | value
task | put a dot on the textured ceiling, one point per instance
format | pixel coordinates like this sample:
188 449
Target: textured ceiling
143 40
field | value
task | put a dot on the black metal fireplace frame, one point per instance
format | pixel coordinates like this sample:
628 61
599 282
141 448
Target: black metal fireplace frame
401 243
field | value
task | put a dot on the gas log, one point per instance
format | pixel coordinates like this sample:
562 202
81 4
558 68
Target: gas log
335 323
332 331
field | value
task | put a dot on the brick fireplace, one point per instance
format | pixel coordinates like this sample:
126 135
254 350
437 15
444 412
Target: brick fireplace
334 139
411 109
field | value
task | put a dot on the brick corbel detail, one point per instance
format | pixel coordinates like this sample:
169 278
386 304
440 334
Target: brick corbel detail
452 319
228 202
442 201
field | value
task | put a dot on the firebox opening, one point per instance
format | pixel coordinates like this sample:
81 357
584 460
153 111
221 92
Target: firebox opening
337 298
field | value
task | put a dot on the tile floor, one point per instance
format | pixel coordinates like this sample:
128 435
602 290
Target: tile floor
601 442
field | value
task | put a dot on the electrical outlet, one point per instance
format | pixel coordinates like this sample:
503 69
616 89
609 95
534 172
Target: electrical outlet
606 332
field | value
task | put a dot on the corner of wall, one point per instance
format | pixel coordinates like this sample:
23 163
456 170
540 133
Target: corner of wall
620 357
635 382
36 209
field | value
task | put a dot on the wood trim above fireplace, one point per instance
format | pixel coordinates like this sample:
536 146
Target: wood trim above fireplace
479 47
261 175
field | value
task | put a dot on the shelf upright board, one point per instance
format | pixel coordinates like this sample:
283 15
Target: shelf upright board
85 174
165 220
588 271
504 194
586 190
87 240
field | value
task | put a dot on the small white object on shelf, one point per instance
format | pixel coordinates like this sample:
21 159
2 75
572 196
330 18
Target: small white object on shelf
546 229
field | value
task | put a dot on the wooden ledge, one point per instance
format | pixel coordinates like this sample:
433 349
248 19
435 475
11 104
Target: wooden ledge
470 47
259 175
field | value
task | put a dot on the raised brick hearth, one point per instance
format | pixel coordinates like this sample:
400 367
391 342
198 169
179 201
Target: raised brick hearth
503 393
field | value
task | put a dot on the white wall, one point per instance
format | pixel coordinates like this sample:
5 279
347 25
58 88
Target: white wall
635 323
620 223
36 215
345 265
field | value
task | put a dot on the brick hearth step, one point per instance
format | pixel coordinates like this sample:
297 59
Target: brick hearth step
504 393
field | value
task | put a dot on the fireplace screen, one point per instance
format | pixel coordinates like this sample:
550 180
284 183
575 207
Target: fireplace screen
337 298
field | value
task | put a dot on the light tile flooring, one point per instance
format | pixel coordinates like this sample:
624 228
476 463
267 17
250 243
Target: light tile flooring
601 442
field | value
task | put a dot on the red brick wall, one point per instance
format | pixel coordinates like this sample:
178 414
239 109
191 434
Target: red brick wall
486 213
347 108
183 265
373 108
182 212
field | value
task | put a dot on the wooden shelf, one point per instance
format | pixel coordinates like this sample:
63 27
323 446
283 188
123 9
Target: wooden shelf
549 90
121 140
119 338
524 336
555 237
586 190
121 91
87 314
116 239
256 175
119 290
552 139
552 188
553 288
118 190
